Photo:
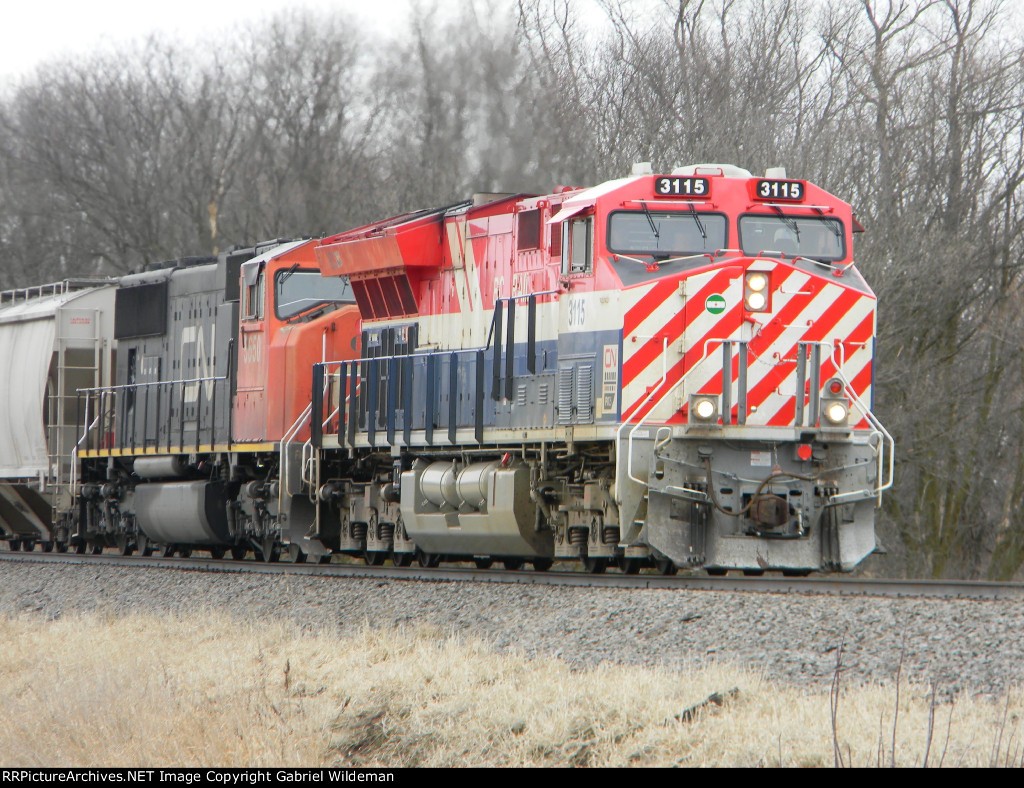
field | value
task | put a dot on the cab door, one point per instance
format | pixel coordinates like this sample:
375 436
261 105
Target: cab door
250 420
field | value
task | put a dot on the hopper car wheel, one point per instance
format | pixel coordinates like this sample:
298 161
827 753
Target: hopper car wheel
296 554
80 547
325 559
753 572
185 552
402 559
238 552
665 566
217 553
124 545
143 545
375 557
62 547
483 563
28 545
629 566
15 545
542 564
795 572
166 551
716 571
47 547
95 548
595 566
512 564
428 560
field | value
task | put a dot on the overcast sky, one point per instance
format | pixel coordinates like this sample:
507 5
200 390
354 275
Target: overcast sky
33 31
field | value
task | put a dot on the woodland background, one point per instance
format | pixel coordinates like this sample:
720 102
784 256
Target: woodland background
911 110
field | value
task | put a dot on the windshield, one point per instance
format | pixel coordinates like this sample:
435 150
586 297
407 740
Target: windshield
793 236
299 291
665 234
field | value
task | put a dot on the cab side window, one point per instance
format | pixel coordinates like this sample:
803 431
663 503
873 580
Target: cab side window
254 299
578 246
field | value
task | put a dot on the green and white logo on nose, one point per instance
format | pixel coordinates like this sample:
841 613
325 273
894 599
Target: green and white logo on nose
715 304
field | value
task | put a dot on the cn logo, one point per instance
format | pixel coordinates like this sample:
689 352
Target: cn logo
193 335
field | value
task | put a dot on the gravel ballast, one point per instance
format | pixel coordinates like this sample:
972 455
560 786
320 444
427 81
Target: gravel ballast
964 645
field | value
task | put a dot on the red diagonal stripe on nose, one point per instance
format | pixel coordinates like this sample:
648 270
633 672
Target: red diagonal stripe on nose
691 357
828 320
769 333
648 303
640 359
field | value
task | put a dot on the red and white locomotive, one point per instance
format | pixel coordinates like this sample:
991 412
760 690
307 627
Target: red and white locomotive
668 369
665 370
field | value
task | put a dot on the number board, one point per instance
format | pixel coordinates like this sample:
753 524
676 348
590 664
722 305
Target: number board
789 191
679 186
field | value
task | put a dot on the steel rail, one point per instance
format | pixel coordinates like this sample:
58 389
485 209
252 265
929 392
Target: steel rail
831 585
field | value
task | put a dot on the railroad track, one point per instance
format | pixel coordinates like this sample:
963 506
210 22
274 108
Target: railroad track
831 585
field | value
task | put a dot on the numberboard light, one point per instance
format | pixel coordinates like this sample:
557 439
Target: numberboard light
777 189
681 186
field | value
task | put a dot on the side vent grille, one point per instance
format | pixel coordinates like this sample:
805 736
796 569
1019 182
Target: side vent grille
564 406
584 394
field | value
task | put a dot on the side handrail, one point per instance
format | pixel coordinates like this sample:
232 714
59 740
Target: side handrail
879 430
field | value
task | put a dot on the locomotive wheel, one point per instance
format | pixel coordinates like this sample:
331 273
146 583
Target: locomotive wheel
717 571
629 566
795 572
238 552
402 559
28 545
15 545
512 564
483 563
665 567
166 551
217 553
325 559
124 545
94 548
375 557
185 552
143 545
296 554
542 564
595 566
753 572
47 547
428 560
62 547
80 547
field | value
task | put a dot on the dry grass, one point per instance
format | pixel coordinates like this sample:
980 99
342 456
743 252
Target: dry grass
107 691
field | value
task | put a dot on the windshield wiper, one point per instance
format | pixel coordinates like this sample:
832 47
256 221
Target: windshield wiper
832 225
790 222
650 219
700 224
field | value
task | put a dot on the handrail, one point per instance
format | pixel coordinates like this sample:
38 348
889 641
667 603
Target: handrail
670 392
879 430
142 384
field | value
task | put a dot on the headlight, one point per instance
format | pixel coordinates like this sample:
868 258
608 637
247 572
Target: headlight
836 412
704 409
756 291
756 302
